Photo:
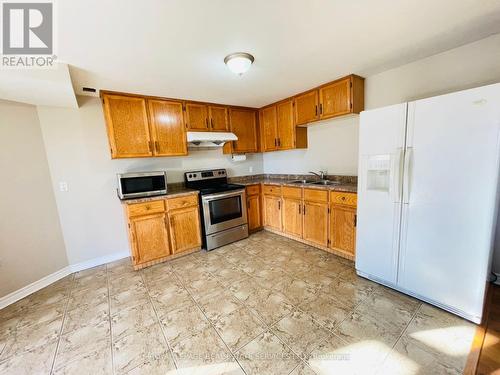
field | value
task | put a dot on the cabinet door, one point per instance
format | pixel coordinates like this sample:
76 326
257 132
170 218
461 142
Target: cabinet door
167 127
306 107
184 229
272 212
286 125
292 217
150 237
316 223
343 229
253 212
243 124
269 129
127 125
197 116
218 118
335 99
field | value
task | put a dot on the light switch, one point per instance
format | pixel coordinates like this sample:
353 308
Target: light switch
63 186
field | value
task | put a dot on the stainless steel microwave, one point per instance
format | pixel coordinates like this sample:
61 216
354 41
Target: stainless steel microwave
141 184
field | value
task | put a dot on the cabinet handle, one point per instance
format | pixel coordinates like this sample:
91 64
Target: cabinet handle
279 205
275 142
355 220
304 210
212 123
279 142
150 146
206 122
315 110
320 108
157 146
299 210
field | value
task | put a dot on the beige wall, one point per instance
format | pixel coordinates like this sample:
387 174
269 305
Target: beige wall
31 242
78 153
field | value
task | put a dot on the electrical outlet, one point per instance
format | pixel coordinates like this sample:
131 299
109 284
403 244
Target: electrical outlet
63 186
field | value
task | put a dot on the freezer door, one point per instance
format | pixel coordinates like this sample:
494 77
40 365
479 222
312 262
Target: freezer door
449 198
381 145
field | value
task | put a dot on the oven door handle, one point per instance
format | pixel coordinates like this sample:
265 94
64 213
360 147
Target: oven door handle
208 198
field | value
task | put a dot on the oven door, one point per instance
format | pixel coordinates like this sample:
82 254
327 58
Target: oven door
224 210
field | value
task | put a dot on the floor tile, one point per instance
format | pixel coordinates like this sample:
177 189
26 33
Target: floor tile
239 327
88 297
86 316
183 322
270 305
37 360
266 354
300 332
216 306
296 290
131 320
95 362
326 311
138 348
203 348
348 293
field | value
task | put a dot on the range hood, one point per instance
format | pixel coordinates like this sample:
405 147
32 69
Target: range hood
209 140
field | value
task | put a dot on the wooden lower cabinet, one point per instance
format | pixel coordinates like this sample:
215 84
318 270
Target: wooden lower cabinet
316 223
343 229
292 217
253 208
272 212
184 229
149 234
163 228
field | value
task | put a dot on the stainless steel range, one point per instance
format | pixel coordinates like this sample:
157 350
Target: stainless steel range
223 208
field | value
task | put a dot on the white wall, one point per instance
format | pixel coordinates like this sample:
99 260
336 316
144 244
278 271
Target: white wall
31 241
78 153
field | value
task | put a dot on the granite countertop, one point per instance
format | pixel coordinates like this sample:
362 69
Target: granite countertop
342 186
173 191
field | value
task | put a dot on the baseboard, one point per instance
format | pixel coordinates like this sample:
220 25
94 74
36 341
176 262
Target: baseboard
34 287
49 279
98 261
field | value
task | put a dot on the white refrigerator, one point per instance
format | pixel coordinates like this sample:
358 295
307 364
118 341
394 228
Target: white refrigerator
427 197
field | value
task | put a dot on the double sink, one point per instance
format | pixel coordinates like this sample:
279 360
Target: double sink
315 182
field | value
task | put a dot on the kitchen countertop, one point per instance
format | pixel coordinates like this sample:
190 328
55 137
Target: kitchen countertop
342 187
173 191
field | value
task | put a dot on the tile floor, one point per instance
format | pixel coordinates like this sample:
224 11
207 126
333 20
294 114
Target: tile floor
265 305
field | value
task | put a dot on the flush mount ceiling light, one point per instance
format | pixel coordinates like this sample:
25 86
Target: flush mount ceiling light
239 62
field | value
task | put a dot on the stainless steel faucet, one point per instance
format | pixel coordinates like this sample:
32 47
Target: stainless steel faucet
321 174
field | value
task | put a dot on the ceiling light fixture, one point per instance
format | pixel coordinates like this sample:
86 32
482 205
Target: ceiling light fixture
239 62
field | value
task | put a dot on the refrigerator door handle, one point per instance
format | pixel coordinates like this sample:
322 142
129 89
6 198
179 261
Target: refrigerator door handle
407 175
396 176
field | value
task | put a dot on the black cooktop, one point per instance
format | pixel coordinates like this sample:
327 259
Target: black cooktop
220 188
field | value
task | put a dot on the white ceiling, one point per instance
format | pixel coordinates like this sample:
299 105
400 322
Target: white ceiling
175 48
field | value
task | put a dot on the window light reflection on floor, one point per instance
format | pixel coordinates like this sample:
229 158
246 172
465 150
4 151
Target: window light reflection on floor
454 341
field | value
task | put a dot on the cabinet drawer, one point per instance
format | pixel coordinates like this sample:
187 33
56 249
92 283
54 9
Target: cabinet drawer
182 202
146 208
253 189
314 195
272 190
292 192
348 199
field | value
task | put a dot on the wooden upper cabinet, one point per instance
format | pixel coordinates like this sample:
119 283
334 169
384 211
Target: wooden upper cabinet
243 123
197 116
269 128
167 127
335 99
286 125
150 237
127 125
306 107
218 118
